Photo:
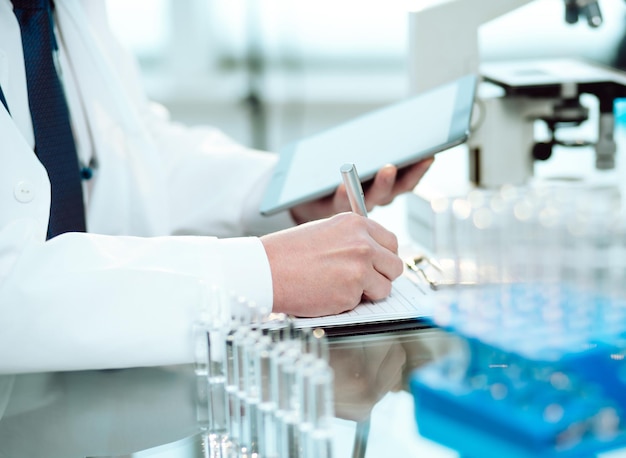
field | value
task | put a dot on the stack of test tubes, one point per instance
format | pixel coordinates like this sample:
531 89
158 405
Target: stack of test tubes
263 391
534 291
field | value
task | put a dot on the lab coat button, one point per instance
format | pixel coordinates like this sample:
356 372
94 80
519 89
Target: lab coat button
24 192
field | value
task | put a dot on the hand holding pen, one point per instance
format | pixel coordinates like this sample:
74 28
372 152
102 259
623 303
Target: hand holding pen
341 260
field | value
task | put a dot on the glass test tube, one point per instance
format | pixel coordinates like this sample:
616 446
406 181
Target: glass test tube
620 276
445 255
217 384
201 368
465 263
231 387
579 259
218 329
321 401
548 255
605 220
219 416
522 252
486 256
239 328
243 341
618 273
201 356
508 241
250 394
312 361
310 367
617 257
284 373
266 427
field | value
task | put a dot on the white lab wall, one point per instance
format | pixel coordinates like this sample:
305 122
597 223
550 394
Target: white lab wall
320 62
539 30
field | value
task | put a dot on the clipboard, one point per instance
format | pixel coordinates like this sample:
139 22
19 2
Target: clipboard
409 307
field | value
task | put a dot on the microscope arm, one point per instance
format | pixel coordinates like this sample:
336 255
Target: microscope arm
443 35
443 38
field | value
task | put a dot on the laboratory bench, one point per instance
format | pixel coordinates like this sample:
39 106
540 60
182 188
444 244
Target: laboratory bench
152 412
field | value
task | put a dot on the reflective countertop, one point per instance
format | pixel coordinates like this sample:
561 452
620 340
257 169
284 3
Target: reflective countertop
151 412
143 412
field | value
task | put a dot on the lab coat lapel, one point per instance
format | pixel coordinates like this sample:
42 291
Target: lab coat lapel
24 185
128 193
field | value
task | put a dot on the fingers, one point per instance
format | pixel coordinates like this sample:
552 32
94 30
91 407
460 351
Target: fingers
389 182
327 266
408 178
341 203
381 190
378 287
382 236
386 266
323 207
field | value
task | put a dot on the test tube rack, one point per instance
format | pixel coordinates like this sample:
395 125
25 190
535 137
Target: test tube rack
538 367
526 392
262 391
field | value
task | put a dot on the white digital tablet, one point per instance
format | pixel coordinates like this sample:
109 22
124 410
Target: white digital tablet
399 134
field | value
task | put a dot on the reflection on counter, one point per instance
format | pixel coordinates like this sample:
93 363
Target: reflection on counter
188 447
97 413
152 412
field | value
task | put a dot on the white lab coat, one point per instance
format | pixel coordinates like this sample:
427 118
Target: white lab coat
125 294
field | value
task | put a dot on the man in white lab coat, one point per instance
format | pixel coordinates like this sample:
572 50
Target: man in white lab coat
126 292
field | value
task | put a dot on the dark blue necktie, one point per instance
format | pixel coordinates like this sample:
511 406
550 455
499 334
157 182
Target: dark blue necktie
54 142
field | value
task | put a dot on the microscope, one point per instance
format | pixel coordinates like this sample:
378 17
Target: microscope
512 97
565 246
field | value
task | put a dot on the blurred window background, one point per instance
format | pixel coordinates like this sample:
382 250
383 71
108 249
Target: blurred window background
271 71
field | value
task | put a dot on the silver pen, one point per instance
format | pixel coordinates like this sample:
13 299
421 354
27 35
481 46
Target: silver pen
354 189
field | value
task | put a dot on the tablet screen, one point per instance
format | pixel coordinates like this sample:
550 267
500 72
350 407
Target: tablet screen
399 134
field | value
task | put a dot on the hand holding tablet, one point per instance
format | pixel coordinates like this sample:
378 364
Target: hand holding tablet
401 134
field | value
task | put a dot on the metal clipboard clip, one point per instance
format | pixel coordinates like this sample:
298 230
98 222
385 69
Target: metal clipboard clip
427 271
